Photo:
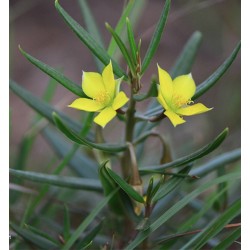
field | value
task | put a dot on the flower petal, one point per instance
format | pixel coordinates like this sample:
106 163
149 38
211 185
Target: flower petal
86 105
173 117
92 84
193 110
161 100
166 84
117 84
120 100
184 87
105 116
109 80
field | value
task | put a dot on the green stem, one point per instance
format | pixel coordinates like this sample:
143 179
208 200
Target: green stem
129 134
129 163
130 119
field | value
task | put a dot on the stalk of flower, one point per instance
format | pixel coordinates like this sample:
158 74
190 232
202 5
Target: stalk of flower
175 97
104 93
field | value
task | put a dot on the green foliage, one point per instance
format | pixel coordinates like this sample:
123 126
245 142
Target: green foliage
77 139
214 227
41 241
60 181
179 205
209 82
156 36
59 77
122 48
123 184
89 41
189 158
98 192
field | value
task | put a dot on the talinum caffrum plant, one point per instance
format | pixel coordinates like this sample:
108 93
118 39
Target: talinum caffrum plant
129 204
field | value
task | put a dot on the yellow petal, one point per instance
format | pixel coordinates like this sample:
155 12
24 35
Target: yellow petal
109 80
117 84
173 117
184 88
92 84
161 100
193 110
86 105
105 116
166 84
120 100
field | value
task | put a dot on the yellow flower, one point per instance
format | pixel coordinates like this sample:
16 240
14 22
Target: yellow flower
104 93
175 96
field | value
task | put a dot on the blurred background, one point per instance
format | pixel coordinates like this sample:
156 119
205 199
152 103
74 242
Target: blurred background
38 28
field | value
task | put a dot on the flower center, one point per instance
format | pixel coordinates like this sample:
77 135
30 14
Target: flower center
178 101
103 98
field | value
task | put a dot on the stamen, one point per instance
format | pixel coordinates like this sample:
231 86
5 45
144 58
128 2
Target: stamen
178 101
103 98
190 102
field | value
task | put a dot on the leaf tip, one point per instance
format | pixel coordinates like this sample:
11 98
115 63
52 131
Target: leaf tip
21 50
55 116
107 26
226 130
103 164
197 34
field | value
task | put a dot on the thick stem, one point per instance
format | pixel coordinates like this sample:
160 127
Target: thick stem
129 133
129 163
130 119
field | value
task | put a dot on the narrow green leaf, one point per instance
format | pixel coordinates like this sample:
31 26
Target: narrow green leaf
157 187
184 62
122 48
189 158
89 219
121 23
177 207
60 181
156 36
229 240
50 91
42 107
61 146
199 240
44 189
87 245
116 203
201 213
190 222
29 137
89 238
38 240
66 223
77 139
150 188
217 162
23 154
131 39
222 202
170 185
211 80
125 186
92 28
58 76
39 233
89 41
